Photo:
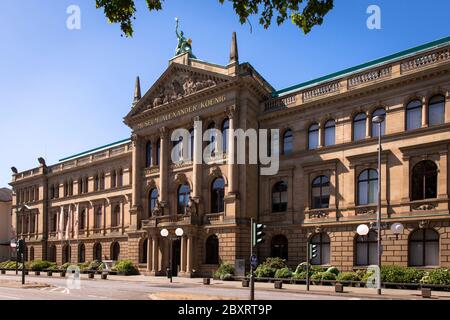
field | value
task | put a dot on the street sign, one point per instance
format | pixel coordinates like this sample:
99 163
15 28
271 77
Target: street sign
254 261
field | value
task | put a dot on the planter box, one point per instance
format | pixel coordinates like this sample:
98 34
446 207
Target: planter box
339 288
49 273
104 276
37 273
62 274
3 271
206 281
245 283
91 275
426 293
278 284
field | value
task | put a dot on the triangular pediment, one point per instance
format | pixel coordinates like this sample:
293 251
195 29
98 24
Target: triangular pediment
177 82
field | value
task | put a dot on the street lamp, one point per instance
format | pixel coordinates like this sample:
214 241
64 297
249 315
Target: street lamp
165 234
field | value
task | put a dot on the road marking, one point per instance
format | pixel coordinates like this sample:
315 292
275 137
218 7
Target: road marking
9 297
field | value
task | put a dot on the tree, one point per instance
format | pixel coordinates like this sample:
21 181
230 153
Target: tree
303 13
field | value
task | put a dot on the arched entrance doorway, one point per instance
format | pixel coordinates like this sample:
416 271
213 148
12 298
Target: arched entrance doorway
176 256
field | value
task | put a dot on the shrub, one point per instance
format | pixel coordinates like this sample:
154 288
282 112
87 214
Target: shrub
84 266
301 267
40 265
317 269
283 273
226 277
328 276
126 267
398 274
437 276
275 263
264 271
65 266
224 268
333 270
299 276
347 276
316 277
94 265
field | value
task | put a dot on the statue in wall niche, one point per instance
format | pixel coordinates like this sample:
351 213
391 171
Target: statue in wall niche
191 208
157 210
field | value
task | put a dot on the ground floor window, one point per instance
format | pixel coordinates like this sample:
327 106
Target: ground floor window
212 250
98 252
424 248
279 247
366 249
115 251
81 253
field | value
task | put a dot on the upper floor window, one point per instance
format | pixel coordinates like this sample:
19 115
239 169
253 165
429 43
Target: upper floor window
158 152
115 219
225 129
424 181
367 187
279 197
330 133
120 178
113 179
217 195
279 247
54 222
80 186
52 192
152 200
375 129
96 183
148 154
177 151
82 220
414 115
313 136
56 195
436 110
359 127
184 191
212 138
320 192
423 248
98 218
102 182
288 140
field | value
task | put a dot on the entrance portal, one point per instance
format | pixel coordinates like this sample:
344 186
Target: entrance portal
176 256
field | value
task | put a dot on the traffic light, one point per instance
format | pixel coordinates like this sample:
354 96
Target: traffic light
313 251
258 233
20 246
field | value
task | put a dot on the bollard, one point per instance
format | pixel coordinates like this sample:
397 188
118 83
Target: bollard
278 285
426 293
37 273
206 281
339 288
245 283
91 275
49 273
62 274
104 276
3 271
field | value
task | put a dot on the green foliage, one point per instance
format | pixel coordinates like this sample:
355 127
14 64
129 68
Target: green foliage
398 274
94 265
283 273
226 277
333 270
224 269
347 276
65 266
299 276
84 266
39 265
437 276
264 271
8 264
125 267
303 13
275 263
316 277
301 267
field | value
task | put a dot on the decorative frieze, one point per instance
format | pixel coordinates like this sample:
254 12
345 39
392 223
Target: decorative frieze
425 60
321 91
369 76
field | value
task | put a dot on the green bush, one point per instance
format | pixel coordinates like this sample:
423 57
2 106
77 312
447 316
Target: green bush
65 266
224 268
125 267
283 273
398 274
275 263
437 276
333 270
315 269
84 266
348 276
318 276
226 277
40 265
264 271
301 267
94 265
299 276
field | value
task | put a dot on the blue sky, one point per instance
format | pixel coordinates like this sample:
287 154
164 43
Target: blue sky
65 91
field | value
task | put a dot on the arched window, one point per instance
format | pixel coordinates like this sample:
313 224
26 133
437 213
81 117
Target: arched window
98 218
279 247
424 181
330 133
81 253
115 251
113 179
152 200
366 249
97 251
31 254
51 255
148 154
359 127
423 248
313 136
177 151
288 140
414 115
143 251
322 240
279 197
367 187
65 254
158 152
320 192
217 195
212 250
375 129
225 128
436 110
115 219
184 191
82 220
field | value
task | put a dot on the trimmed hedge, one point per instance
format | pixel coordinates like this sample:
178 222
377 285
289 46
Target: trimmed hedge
224 272
283 273
125 267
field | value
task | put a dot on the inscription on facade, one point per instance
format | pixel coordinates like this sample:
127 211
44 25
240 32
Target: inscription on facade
181 112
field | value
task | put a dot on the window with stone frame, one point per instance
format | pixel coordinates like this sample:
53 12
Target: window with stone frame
279 247
212 250
279 197
288 142
436 110
423 248
367 187
424 181
359 127
366 251
217 195
320 192
414 115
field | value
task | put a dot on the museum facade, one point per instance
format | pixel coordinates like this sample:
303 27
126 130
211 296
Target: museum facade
111 203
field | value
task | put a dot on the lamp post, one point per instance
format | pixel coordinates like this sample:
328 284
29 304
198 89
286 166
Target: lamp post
379 120
165 234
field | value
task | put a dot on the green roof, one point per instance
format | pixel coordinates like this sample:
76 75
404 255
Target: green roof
85 153
393 57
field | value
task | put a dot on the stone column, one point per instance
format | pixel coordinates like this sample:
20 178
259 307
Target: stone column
183 254
232 166
368 125
190 254
163 167
197 158
424 113
320 133
136 185
149 254
155 253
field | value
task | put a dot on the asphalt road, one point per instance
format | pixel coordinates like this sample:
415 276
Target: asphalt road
132 290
